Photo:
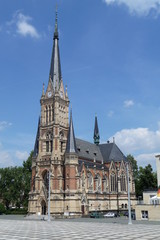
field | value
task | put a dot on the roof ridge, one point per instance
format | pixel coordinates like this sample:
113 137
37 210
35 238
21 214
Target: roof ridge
105 143
86 141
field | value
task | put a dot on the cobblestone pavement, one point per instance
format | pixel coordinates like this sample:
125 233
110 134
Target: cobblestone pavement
56 230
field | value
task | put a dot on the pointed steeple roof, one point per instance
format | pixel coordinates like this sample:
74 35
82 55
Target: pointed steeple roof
55 68
36 145
96 136
71 143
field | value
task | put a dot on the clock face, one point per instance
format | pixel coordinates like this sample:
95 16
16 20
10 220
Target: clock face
49 94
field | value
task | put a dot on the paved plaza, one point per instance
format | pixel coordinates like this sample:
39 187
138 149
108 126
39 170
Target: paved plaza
64 229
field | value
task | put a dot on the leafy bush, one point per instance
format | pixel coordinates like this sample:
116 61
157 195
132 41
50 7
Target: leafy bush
2 208
16 211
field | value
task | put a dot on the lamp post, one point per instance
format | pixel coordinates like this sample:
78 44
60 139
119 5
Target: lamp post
49 197
129 202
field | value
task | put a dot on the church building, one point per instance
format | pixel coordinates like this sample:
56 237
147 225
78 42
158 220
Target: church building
83 177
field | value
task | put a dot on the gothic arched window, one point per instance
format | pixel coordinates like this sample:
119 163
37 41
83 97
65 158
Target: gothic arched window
47 146
123 183
52 113
90 181
49 142
105 184
46 114
49 113
61 135
33 182
113 182
98 182
83 180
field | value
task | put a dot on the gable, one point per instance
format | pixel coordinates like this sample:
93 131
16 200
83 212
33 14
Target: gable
111 152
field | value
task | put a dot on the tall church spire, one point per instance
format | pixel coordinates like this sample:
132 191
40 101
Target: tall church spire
96 132
55 68
71 143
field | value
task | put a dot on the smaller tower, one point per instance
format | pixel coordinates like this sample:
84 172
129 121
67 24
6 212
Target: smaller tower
96 136
71 143
72 204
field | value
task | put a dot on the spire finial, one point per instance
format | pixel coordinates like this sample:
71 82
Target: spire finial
96 135
56 10
56 24
43 90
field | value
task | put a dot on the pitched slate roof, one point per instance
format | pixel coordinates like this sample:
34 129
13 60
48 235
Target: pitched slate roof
111 152
107 152
89 164
87 150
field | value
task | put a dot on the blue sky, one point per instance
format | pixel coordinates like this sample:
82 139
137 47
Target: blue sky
110 59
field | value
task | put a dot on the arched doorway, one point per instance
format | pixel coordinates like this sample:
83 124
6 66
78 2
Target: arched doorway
43 207
82 209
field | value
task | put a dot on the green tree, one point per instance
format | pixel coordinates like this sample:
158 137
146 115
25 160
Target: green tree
15 184
27 173
11 185
144 178
147 179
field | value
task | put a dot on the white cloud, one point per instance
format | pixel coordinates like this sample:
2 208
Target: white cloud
128 103
139 139
4 124
22 155
5 159
142 143
21 24
24 27
139 7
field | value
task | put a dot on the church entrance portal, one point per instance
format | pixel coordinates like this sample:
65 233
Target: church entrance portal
82 209
43 208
